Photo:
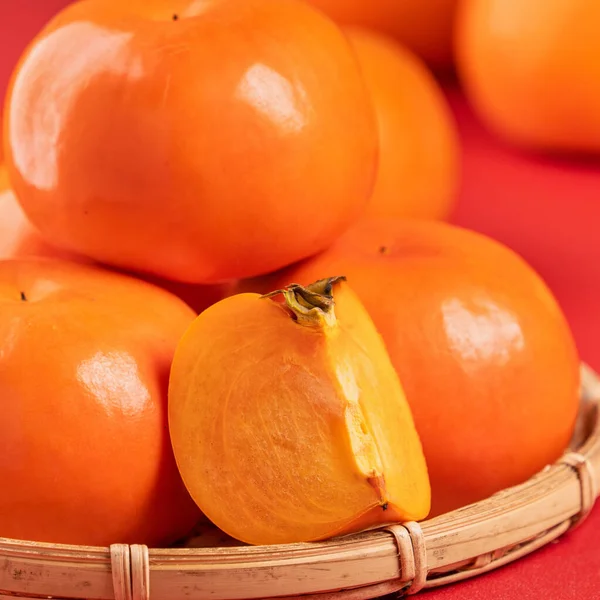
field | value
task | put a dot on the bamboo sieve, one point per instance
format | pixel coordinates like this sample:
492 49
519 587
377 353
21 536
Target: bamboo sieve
403 558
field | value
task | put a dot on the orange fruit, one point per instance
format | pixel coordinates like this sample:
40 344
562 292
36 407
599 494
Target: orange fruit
288 420
531 69
483 351
424 26
85 455
188 136
418 142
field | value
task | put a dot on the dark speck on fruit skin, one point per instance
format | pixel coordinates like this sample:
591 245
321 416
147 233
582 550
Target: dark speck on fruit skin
23 297
175 17
384 506
384 250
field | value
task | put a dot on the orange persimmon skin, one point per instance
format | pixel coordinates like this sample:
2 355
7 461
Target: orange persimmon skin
274 423
85 456
424 26
531 70
186 137
484 353
418 168
19 239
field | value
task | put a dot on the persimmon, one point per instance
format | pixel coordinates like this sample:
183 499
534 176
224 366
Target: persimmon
85 455
484 353
196 128
424 26
288 420
531 69
418 142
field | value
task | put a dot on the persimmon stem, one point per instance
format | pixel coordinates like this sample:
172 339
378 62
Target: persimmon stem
312 305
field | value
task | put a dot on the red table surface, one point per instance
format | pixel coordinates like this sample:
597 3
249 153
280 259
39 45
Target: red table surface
547 210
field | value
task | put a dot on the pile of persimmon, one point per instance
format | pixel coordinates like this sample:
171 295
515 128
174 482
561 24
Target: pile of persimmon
225 290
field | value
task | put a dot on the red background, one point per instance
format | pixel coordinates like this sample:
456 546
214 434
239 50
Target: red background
549 212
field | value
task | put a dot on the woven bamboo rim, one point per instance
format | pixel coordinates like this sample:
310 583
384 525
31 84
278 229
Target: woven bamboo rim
403 558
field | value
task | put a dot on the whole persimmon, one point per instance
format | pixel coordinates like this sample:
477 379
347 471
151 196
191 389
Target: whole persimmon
19 239
418 142
288 420
85 455
424 26
188 139
531 69
483 351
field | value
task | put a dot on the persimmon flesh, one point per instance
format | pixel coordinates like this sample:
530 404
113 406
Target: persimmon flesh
289 422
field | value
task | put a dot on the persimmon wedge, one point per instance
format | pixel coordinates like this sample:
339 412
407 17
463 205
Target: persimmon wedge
288 421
